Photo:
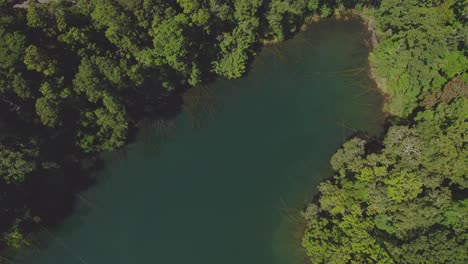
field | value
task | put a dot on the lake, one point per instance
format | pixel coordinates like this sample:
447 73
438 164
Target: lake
225 181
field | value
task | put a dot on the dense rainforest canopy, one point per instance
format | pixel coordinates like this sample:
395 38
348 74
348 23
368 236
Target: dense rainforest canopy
401 200
76 77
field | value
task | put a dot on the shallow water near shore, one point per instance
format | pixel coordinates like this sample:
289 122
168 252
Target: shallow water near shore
224 182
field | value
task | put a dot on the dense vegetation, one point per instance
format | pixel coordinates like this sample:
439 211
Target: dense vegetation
77 76
422 46
403 199
403 202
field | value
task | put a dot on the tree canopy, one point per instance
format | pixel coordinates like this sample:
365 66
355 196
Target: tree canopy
402 203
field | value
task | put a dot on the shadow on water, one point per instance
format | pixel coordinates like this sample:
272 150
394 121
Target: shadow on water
155 133
56 198
200 104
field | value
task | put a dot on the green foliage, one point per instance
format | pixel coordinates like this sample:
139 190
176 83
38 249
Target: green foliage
15 236
349 156
234 49
88 80
282 16
419 50
47 111
325 11
6 17
105 128
38 60
437 247
395 204
195 77
313 5
446 127
16 162
201 17
39 17
111 69
233 63
11 48
236 45
117 24
20 87
189 6
15 239
79 73
48 107
170 43
403 186
455 63
404 190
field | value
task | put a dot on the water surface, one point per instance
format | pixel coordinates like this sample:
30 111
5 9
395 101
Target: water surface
222 184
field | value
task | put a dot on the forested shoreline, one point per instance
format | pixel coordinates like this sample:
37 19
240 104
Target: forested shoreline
402 198
76 78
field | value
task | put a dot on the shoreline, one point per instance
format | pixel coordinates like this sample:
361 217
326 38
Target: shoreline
348 14
369 23
371 42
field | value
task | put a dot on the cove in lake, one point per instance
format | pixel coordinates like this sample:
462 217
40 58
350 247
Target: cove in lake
223 183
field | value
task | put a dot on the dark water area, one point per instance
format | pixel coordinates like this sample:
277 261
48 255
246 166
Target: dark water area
224 182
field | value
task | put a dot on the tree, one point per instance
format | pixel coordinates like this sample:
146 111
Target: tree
325 11
386 205
16 162
402 187
282 16
88 80
6 16
234 60
104 129
39 16
39 60
313 5
170 42
418 50
12 46
15 239
117 24
235 50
